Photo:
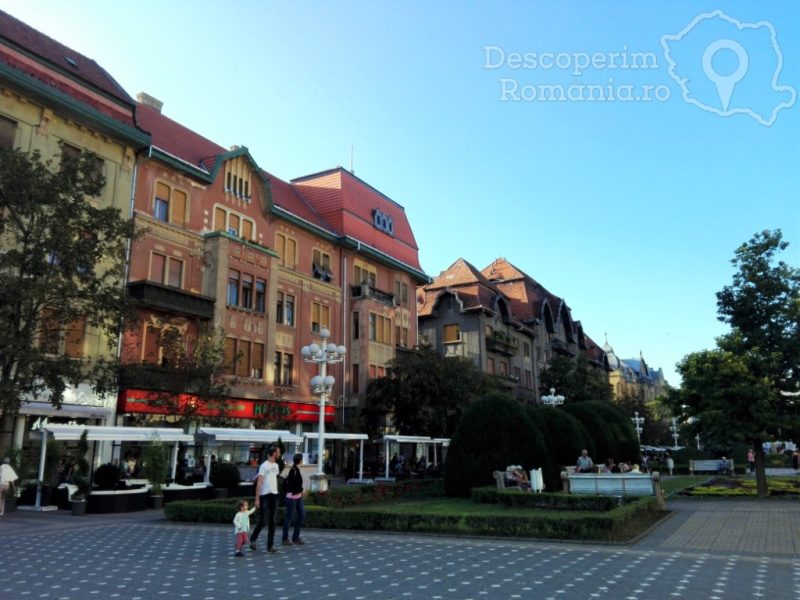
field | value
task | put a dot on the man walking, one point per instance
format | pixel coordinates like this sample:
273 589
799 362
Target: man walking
267 498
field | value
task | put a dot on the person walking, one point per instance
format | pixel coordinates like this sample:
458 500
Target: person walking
267 498
241 526
8 478
751 461
294 502
670 463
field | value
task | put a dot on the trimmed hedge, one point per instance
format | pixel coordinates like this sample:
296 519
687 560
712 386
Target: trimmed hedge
358 495
611 525
566 502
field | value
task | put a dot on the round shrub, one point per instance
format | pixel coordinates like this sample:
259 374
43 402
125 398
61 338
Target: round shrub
622 428
106 476
225 475
605 441
493 432
566 433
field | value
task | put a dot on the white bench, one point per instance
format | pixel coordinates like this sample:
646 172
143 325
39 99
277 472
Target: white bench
711 466
613 484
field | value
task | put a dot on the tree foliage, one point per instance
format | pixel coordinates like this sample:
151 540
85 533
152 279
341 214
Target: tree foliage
63 260
494 432
427 393
746 389
575 379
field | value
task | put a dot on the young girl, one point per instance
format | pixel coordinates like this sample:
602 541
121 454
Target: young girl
241 524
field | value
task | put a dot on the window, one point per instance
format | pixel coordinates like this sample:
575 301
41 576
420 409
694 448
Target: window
516 373
8 132
284 313
489 330
247 291
502 368
261 296
401 293
401 336
380 329
52 333
452 334
72 154
526 349
363 274
320 317
286 248
528 379
490 365
376 371
354 379
237 178
283 368
166 270
321 265
257 364
170 204
234 224
230 356
243 357
356 325
233 288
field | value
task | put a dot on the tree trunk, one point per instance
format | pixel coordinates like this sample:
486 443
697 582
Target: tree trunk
761 475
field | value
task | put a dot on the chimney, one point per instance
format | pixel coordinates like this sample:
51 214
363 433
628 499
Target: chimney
148 100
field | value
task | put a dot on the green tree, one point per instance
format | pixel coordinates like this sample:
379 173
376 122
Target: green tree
575 379
62 261
427 393
746 390
193 367
495 431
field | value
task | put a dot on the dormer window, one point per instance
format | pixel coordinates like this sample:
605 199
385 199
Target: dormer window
237 179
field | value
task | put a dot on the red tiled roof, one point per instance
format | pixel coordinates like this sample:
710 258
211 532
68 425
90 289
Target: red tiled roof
473 289
527 295
53 68
347 202
174 138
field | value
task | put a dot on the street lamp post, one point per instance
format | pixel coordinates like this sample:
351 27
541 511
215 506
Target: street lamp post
697 439
552 399
638 422
674 429
322 355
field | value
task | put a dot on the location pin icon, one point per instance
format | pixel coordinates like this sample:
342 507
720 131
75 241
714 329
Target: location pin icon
725 83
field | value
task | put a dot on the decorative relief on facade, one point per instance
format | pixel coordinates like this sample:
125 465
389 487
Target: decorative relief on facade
284 340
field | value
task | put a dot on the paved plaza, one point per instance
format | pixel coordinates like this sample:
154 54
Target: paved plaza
710 550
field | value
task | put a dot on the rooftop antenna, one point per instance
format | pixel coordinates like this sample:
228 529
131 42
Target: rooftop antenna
351 160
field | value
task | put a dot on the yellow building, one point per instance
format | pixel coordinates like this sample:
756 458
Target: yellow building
60 103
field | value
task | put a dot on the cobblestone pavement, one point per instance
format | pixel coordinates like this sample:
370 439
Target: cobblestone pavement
142 556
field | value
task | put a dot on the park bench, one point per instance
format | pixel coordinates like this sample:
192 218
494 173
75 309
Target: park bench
711 466
537 483
614 484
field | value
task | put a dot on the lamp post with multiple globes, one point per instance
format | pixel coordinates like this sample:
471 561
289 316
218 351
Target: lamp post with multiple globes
322 354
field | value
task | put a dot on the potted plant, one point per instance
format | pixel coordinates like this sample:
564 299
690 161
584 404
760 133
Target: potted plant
155 463
81 479
225 478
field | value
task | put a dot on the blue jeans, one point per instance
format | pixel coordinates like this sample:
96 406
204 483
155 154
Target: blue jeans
293 506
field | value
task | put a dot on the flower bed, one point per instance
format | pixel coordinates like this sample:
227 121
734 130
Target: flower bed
721 487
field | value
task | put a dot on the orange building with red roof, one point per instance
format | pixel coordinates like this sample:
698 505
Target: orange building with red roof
226 244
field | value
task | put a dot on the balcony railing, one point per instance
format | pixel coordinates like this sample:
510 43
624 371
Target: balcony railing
501 342
170 299
366 291
561 347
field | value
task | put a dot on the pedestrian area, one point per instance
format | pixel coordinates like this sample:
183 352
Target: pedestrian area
693 554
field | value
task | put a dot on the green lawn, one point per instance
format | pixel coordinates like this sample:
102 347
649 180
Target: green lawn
672 485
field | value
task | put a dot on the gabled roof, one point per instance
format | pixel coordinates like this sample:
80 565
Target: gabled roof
348 204
526 295
62 68
177 140
472 289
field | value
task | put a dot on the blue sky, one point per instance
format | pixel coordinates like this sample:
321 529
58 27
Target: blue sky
628 209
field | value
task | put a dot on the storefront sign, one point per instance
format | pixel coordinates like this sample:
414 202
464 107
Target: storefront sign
147 402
